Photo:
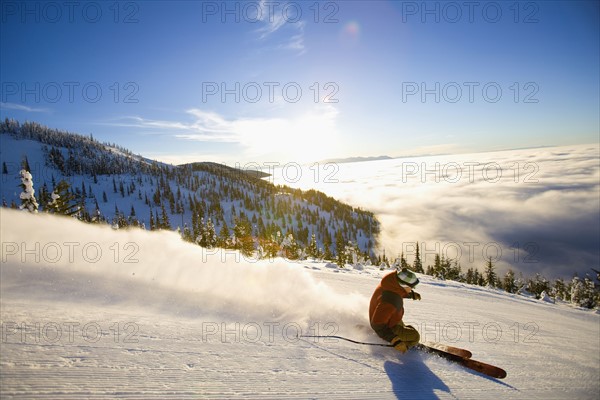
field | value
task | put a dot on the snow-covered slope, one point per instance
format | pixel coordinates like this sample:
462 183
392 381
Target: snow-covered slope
89 312
110 185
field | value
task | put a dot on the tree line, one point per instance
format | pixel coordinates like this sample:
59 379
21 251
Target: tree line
580 291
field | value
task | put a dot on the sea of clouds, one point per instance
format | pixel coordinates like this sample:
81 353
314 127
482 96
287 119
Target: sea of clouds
532 210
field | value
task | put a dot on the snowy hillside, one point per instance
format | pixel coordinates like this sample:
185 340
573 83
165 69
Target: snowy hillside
109 184
91 312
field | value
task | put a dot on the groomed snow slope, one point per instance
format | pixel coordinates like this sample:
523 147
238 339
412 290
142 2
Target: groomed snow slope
89 312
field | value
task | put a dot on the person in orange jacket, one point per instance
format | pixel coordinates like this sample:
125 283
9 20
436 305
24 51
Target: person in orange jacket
387 309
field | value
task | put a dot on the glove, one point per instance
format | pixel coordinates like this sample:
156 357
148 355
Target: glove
399 345
414 295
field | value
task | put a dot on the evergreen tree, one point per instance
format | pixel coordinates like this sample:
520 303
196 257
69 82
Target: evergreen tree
417 264
439 267
28 200
25 164
63 201
481 281
327 247
312 249
559 291
403 263
340 246
508 283
133 221
583 293
453 271
224 240
242 236
490 274
537 285
430 270
352 254
187 234
210 234
97 217
271 247
470 276
577 291
290 248
201 237
164 219
44 196
152 223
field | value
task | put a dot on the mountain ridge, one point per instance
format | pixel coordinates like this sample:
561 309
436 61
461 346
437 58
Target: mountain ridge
113 185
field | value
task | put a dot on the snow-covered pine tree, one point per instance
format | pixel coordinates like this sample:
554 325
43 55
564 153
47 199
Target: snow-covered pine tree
97 216
583 292
351 254
243 237
577 291
201 235
62 201
270 247
289 247
312 249
537 285
210 234
187 233
509 284
28 201
559 290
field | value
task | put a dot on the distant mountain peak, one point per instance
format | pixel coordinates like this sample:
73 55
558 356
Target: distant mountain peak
356 159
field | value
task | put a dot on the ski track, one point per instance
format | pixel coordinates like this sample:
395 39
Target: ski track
143 341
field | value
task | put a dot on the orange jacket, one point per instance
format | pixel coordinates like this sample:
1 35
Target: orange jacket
386 308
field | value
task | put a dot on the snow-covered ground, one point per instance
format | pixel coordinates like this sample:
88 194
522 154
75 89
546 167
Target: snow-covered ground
89 312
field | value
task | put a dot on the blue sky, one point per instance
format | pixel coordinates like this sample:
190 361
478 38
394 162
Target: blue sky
206 80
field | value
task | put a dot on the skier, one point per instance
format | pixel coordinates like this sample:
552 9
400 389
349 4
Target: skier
386 309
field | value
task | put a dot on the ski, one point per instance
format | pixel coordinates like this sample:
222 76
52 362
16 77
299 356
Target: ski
464 353
481 367
444 347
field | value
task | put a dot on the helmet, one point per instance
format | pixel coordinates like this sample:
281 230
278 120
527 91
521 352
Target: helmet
407 277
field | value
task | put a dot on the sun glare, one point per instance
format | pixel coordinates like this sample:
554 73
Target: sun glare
309 137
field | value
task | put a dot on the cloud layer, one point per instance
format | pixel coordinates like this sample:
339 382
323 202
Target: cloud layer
534 210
